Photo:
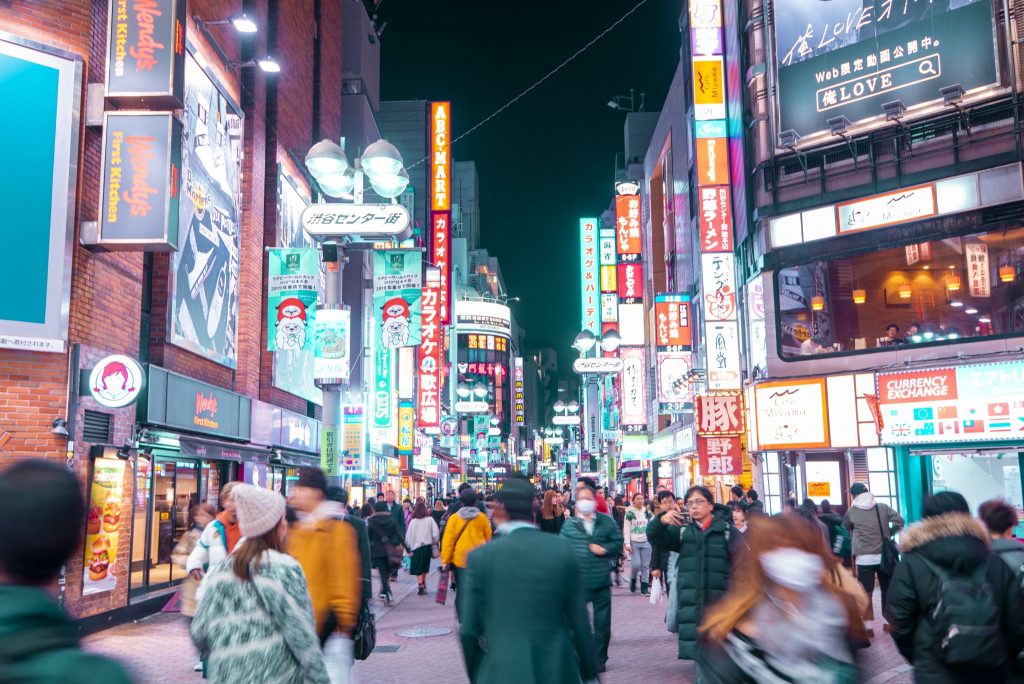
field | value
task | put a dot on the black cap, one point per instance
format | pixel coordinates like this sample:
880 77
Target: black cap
313 478
858 488
516 495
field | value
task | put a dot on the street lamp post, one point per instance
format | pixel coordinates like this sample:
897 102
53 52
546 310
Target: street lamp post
585 342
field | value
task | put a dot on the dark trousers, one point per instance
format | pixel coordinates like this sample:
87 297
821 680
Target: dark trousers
600 601
460 589
866 576
385 574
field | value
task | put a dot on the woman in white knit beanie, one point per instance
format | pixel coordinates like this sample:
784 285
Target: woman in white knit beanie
258 596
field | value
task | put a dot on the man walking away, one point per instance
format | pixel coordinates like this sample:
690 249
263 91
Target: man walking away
1000 518
736 495
466 530
525 627
45 514
597 542
868 520
328 551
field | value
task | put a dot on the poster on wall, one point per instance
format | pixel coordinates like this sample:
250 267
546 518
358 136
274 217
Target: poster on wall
291 298
674 388
204 270
103 528
397 290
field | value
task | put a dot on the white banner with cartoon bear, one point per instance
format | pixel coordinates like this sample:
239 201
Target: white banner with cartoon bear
291 292
397 288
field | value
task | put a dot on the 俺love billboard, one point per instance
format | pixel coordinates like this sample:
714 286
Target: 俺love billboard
846 58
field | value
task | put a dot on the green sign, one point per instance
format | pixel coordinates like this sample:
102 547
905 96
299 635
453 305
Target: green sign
329 462
291 298
383 372
397 287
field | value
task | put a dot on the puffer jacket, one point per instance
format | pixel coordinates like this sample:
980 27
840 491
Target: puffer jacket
466 530
594 570
959 544
703 569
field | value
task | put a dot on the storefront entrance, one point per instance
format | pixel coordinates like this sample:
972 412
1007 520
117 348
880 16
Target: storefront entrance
979 475
825 479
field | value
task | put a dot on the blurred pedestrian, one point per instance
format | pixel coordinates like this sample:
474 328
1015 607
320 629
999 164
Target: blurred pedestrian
366 511
783 619
385 546
660 555
438 512
619 516
421 539
956 609
407 510
201 515
552 514
736 495
255 619
42 505
809 512
327 548
754 505
634 534
527 628
218 538
706 549
597 542
999 519
358 524
397 512
466 530
871 522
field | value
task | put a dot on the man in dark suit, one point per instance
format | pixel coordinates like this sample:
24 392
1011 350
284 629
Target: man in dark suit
525 622
398 513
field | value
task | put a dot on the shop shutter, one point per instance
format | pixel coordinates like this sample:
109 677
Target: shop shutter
96 427
860 466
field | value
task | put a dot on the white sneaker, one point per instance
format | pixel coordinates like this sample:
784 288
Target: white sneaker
198 667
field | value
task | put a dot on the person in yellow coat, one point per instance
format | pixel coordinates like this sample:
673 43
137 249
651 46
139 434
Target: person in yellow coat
467 529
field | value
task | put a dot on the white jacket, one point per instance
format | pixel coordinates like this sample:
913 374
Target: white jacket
211 549
421 532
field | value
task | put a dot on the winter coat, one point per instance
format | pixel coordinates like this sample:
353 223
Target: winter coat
421 532
365 562
831 522
1011 552
212 547
466 530
259 630
398 513
703 569
39 643
594 570
861 519
179 556
553 525
526 623
328 551
383 530
755 508
959 544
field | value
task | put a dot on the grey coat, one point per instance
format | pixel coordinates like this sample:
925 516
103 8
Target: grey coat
863 522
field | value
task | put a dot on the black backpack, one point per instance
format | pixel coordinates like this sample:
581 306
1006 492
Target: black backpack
966 618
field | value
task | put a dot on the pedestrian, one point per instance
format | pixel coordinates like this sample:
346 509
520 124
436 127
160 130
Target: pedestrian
956 609
385 544
45 513
706 546
358 524
366 511
809 511
201 515
634 533
736 495
789 505
660 555
397 512
552 515
1000 518
839 539
466 530
218 539
739 516
619 516
421 539
871 523
255 619
754 505
782 619
597 542
407 511
438 511
527 628
327 548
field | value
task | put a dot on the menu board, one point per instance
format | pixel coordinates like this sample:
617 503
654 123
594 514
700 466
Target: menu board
103 527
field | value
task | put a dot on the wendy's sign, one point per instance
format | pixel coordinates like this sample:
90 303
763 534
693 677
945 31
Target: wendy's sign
146 53
176 401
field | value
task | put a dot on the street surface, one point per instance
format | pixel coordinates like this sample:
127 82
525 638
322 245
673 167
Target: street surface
157 649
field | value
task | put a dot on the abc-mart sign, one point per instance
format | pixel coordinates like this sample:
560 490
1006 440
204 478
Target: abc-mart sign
600 366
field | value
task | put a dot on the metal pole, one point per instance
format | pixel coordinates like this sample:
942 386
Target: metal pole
332 300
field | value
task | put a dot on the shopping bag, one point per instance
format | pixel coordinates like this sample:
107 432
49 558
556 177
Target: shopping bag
656 591
443 580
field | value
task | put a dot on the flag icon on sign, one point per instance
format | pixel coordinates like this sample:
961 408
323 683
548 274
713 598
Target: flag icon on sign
949 427
974 426
947 412
999 409
999 426
901 430
924 413
925 430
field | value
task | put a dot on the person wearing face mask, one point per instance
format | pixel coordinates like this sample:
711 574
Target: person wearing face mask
597 542
784 619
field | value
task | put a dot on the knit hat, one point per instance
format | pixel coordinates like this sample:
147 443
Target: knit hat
858 488
259 510
313 478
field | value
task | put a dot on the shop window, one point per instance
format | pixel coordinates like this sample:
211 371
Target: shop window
772 482
981 476
933 292
882 477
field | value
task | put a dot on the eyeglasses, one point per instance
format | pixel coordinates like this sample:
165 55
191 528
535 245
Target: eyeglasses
696 502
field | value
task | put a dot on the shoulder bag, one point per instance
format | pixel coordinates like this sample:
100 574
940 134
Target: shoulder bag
890 552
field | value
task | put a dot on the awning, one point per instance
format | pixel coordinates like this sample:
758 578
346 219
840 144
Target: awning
222 451
297 459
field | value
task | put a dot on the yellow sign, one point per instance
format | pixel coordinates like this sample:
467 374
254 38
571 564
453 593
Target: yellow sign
819 489
708 88
406 417
104 526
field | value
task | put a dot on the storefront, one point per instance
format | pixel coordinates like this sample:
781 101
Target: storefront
956 428
293 441
193 439
673 455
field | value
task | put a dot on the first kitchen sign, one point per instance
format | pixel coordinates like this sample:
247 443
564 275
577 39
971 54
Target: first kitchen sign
967 403
146 53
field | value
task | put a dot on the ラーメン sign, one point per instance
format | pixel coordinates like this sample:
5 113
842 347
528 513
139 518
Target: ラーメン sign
840 59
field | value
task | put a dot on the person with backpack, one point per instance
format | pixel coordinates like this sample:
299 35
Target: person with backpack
839 539
873 524
955 608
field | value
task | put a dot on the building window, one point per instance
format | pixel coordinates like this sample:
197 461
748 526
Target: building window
882 477
932 292
772 482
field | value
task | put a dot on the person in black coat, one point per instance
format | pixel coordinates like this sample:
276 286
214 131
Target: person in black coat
383 532
949 538
659 554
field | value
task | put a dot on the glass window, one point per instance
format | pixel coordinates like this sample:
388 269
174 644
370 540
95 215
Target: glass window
882 476
980 477
771 482
946 290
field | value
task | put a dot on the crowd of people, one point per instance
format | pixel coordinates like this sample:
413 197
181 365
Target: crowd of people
281 590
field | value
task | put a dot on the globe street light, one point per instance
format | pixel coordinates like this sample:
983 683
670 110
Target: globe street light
573 406
463 390
480 390
585 341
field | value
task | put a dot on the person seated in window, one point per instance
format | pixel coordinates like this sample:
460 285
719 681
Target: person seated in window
913 329
812 346
892 336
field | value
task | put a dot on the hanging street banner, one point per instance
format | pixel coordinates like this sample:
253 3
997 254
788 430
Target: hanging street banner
292 281
383 383
352 439
589 269
329 452
397 289
331 348
840 59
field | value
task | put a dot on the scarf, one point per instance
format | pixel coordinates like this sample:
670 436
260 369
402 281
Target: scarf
232 532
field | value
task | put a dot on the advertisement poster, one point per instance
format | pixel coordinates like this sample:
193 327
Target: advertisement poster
846 58
293 370
292 279
329 452
204 270
104 526
397 289
352 439
674 390
332 345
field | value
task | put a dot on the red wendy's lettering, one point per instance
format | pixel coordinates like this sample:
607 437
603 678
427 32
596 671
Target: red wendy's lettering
144 50
140 153
206 404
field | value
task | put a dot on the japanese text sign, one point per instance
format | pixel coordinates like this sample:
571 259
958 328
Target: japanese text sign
352 438
723 355
440 157
672 321
708 88
406 416
976 254
715 219
631 282
519 403
348 220
441 240
718 278
720 413
720 456
628 244
674 389
589 274
428 404
633 411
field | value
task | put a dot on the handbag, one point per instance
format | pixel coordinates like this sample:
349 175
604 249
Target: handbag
890 552
365 636
435 549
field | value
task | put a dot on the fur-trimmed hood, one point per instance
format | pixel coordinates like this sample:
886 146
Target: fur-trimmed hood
952 540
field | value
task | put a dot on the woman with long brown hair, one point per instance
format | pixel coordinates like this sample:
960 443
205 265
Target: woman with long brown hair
785 617
552 513
421 538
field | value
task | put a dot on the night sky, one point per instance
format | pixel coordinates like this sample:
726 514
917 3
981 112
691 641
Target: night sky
549 159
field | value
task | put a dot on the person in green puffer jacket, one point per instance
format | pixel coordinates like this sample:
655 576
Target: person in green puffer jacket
38 642
597 543
706 548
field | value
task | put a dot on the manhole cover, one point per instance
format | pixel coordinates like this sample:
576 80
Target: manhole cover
420 632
